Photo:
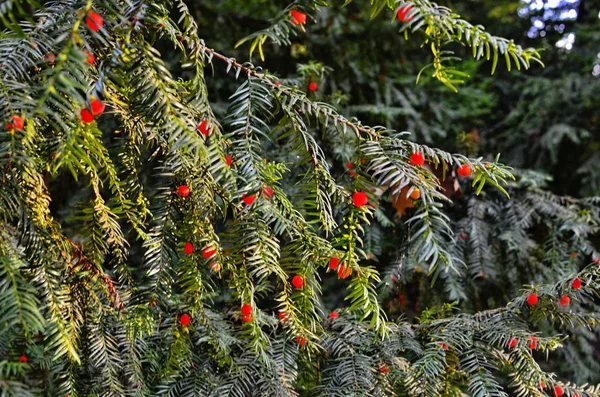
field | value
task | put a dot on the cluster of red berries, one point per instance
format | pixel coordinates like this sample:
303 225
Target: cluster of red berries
266 191
342 271
564 300
96 108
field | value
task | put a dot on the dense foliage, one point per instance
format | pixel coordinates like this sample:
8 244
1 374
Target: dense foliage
175 221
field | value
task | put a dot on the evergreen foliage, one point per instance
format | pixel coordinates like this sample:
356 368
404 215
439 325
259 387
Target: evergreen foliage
150 249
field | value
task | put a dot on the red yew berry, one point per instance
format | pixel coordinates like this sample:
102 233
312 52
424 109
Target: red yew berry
464 170
443 345
464 236
512 343
576 283
334 262
267 192
542 385
352 173
300 340
16 123
214 266
248 199
228 159
403 12
188 248
344 272
564 300
417 159
208 251
247 318
384 369
401 299
283 316
359 199
203 128
349 165
532 299
86 116
596 261
89 57
333 315
23 359
49 58
313 86
97 107
183 191
246 309
298 18
298 281
94 21
277 83
558 391
532 342
185 319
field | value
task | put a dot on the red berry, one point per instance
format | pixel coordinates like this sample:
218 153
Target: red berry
417 159
97 107
532 299
188 248
532 342
267 192
247 318
183 191
359 199
576 283
297 281
185 319
16 123
208 251
464 236
49 58
558 391
349 165
300 340
248 199
228 159
512 343
542 385
246 309
214 266
384 369
23 359
464 170
89 57
596 261
203 128
564 300
86 116
298 18
94 21
283 316
401 299
313 86
334 262
344 272
352 173
443 345
402 12
333 315
277 83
